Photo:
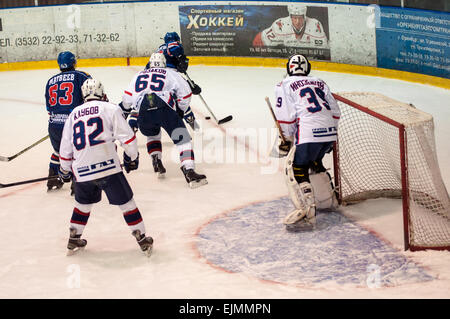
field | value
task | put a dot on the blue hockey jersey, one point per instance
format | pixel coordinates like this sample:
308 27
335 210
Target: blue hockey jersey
63 94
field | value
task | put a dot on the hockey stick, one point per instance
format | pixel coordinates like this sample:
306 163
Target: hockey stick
224 120
275 119
29 181
7 159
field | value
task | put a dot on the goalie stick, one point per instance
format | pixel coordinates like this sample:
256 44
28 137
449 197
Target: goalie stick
29 181
275 119
224 120
10 158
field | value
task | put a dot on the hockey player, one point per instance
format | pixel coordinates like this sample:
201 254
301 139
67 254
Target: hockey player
296 30
154 96
62 95
88 150
308 115
175 58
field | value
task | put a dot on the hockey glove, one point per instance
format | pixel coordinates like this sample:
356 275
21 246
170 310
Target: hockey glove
183 63
124 110
128 164
189 117
64 175
196 90
132 121
284 147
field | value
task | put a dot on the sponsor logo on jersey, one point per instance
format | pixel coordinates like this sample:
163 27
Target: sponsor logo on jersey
58 118
323 131
96 168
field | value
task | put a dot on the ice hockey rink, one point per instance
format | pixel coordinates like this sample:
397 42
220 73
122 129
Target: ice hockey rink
222 240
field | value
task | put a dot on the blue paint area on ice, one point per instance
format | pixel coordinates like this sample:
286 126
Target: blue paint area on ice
253 240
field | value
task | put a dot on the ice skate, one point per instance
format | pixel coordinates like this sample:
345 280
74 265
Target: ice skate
193 179
158 166
54 183
75 242
146 243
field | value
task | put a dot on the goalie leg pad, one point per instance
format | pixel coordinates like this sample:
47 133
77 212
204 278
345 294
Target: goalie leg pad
324 191
302 195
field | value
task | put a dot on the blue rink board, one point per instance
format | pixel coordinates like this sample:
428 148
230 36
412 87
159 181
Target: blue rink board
254 241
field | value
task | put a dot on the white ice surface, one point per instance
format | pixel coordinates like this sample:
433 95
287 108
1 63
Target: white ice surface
34 223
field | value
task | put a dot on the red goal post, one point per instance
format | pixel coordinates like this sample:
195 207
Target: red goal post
386 148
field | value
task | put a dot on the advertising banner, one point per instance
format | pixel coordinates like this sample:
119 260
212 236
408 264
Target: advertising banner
414 40
266 31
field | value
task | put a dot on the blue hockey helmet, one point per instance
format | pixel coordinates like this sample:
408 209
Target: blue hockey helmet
66 60
171 37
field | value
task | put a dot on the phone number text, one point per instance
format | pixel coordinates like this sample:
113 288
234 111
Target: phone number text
60 39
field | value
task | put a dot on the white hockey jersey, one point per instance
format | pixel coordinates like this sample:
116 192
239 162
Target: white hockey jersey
281 32
167 83
306 109
87 145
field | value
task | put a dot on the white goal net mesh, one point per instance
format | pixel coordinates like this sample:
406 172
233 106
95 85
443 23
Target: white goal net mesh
370 157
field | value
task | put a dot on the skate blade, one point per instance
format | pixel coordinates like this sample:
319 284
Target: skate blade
161 175
198 183
301 226
54 189
71 252
148 252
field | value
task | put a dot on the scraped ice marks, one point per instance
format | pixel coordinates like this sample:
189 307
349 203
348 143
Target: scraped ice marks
253 240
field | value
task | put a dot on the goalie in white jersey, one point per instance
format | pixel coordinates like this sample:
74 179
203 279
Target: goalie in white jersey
296 30
308 115
160 97
88 154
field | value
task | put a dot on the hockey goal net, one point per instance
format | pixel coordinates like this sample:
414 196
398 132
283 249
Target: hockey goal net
386 148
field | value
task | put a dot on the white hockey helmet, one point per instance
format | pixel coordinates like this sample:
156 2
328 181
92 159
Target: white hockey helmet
298 65
296 9
92 89
157 60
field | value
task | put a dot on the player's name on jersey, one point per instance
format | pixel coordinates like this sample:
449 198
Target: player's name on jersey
155 70
61 78
298 84
85 111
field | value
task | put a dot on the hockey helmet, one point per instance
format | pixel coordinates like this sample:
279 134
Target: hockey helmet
296 10
92 89
157 60
298 65
171 37
66 60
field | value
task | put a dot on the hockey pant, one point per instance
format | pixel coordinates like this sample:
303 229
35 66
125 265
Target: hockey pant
150 123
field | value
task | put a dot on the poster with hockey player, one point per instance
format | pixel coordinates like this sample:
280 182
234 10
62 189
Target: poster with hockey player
267 31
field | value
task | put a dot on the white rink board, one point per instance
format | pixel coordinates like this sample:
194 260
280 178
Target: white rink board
136 29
